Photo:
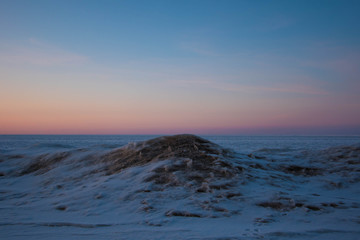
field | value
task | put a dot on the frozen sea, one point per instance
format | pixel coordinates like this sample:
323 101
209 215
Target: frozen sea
283 187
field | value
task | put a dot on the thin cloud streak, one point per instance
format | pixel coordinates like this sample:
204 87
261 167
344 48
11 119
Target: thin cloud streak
36 52
233 87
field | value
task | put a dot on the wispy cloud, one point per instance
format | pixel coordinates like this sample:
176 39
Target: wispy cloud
333 57
200 49
348 65
36 52
234 87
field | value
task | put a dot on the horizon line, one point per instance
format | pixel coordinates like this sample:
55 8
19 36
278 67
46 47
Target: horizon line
220 135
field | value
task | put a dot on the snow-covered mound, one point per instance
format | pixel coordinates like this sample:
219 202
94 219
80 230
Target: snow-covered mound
181 160
200 154
190 161
161 170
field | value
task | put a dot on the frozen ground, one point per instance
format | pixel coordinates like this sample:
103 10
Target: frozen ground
181 187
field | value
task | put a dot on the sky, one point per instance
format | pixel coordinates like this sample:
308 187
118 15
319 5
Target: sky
177 66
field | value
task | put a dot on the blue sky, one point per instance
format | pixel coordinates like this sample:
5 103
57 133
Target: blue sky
243 67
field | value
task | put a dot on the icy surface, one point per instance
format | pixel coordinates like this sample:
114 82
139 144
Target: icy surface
179 187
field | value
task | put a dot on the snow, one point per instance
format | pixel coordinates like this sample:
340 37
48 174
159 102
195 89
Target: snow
71 194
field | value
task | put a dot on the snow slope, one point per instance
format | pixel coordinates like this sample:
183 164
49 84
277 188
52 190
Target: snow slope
179 187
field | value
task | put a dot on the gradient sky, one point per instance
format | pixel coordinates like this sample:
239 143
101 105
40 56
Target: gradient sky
164 67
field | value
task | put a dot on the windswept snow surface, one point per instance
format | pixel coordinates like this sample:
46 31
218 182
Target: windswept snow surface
179 187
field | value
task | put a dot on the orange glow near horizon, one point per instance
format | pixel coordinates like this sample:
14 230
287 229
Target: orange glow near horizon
130 108
30 119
